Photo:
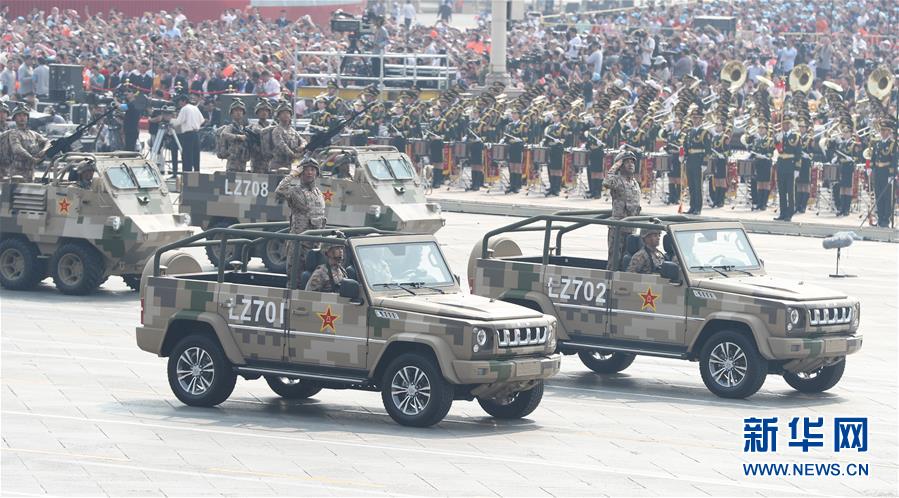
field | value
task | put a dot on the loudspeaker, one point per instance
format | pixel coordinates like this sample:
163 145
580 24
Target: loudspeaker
66 82
223 102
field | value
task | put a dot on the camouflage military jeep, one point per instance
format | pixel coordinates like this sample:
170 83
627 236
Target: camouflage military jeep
399 325
710 302
363 187
81 233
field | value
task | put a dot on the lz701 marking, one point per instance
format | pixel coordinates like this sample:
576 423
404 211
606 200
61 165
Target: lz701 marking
578 290
246 187
255 310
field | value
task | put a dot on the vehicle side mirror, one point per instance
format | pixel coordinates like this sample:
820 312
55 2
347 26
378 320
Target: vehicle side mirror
349 289
762 263
458 279
671 271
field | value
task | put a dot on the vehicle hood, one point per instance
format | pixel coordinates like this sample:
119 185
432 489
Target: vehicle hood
466 306
771 288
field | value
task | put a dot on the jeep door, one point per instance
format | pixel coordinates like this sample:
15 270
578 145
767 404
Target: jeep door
647 312
580 295
256 311
327 330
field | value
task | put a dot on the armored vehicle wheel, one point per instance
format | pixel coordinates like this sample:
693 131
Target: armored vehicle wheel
132 281
20 268
414 391
518 405
606 362
77 269
818 380
212 252
274 256
730 365
292 388
199 374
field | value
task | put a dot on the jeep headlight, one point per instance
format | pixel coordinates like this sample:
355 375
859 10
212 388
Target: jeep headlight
480 338
792 318
114 222
551 335
856 315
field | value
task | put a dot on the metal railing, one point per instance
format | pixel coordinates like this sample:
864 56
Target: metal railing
408 71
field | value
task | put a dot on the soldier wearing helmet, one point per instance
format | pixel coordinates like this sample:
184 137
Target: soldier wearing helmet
327 276
648 259
287 145
27 147
625 192
232 141
306 203
261 153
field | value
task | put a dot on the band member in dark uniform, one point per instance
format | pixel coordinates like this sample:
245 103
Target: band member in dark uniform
437 128
516 132
554 138
720 144
596 139
674 139
790 150
763 148
475 149
400 126
846 152
808 151
696 146
884 162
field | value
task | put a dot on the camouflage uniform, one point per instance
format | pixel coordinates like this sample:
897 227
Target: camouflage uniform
25 145
287 146
261 154
625 202
646 261
307 210
236 144
326 278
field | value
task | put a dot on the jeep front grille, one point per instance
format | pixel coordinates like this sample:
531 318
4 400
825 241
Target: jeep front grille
830 316
521 336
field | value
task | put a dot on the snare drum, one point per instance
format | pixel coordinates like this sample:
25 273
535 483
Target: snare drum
499 152
831 173
419 146
579 157
379 140
744 167
539 154
460 150
661 161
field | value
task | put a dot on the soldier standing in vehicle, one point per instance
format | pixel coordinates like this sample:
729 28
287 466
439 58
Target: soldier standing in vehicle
27 146
287 143
261 154
5 154
648 259
625 191
306 203
233 139
327 276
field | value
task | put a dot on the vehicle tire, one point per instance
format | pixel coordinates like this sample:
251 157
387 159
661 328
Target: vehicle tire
519 405
292 388
132 281
77 269
414 391
818 380
212 252
274 255
731 366
606 362
20 268
206 376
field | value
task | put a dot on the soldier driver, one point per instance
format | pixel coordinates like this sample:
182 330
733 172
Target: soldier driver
306 203
625 192
327 277
649 259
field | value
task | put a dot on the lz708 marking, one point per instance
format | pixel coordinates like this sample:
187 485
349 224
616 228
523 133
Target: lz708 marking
255 310
578 290
246 187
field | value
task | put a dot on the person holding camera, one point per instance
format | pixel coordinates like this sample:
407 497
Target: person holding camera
187 124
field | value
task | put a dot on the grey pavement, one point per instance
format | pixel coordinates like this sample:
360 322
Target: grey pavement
84 412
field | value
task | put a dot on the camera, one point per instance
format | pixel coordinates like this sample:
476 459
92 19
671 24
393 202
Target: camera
342 22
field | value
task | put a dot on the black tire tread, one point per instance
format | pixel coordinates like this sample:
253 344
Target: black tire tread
441 391
756 371
33 271
304 389
522 406
618 362
825 380
91 260
225 377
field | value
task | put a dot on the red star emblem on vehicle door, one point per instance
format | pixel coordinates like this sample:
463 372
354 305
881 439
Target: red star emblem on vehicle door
328 195
62 207
649 299
328 320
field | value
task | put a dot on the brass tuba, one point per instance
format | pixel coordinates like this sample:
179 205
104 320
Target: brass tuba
801 78
734 72
879 83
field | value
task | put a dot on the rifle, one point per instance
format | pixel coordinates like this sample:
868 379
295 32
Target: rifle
322 139
64 144
253 138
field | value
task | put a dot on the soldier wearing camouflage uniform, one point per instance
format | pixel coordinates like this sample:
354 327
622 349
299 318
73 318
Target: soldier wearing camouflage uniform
235 138
5 153
28 147
625 191
287 143
327 276
260 154
648 259
306 203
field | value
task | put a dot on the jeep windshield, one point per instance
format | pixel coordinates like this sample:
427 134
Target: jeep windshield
124 177
719 250
390 168
410 265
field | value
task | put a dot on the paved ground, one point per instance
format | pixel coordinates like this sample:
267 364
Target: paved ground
84 412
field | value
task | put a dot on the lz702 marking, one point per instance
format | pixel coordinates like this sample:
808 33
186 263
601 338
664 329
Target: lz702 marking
578 290
246 187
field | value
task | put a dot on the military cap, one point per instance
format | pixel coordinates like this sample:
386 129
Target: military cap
237 104
263 104
333 84
20 109
283 106
645 232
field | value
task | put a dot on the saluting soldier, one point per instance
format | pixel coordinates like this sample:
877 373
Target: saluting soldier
287 145
787 171
306 203
884 162
327 276
233 138
27 146
696 146
625 191
261 153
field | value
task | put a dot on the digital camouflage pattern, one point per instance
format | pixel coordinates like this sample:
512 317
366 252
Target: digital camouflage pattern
234 143
256 319
25 145
287 146
47 214
597 307
326 278
362 200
